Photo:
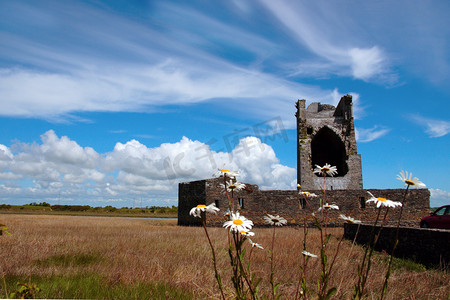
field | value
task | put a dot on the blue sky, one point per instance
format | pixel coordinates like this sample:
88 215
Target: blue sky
115 102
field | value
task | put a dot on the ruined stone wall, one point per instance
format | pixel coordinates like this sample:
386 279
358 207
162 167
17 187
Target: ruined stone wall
215 194
426 246
190 194
289 204
353 203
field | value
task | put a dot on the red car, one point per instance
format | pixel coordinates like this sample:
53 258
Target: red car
440 218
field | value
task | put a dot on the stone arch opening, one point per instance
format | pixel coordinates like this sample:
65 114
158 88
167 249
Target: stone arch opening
327 147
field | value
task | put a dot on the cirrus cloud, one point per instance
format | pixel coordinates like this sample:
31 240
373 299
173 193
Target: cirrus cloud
365 135
434 128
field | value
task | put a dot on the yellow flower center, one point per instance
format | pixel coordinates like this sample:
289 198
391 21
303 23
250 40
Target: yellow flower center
243 232
307 193
325 169
232 186
381 199
238 222
201 205
275 220
225 171
409 182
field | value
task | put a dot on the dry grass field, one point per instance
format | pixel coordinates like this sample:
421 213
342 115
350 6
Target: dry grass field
64 254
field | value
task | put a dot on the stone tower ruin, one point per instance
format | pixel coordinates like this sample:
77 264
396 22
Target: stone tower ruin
326 134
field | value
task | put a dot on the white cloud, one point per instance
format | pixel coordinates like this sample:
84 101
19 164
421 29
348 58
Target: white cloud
140 66
182 54
49 95
64 151
316 27
434 128
439 197
370 134
5 153
258 164
366 63
60 168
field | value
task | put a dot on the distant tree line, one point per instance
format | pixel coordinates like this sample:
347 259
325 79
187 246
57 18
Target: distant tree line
109 208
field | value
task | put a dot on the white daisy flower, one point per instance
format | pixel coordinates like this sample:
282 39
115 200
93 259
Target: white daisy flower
349 219
197 211
212 208
326 170
306 253
408 180
255 244
329 206
275 220
383 201
236 186
238 223
246 233
308 194
226 173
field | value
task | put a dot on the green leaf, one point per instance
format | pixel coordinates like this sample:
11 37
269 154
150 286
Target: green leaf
275 288
317 224
323 257
327 239
330 293
241 256
257 282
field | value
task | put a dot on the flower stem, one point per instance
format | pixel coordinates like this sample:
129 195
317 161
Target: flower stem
388 272
217 275
238 255
302 278
271 264
359 288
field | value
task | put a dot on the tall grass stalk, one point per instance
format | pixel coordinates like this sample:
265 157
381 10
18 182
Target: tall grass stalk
388 272
363 270
213 253
272 259
302 278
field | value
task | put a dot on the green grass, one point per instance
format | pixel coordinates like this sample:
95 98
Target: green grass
91 286
77 210
67 260
400 264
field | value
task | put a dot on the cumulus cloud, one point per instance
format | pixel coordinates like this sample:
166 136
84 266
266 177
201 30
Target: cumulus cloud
434 128
439 197
58 168
365 135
